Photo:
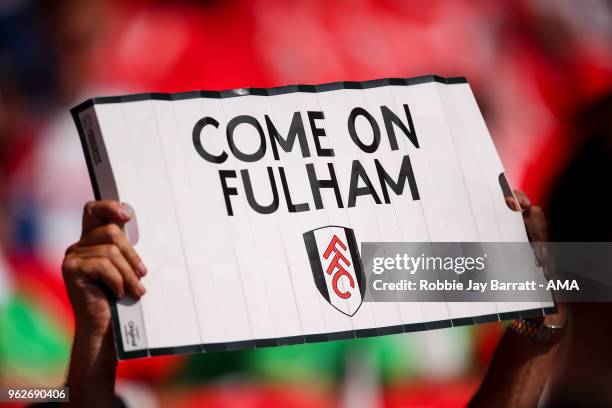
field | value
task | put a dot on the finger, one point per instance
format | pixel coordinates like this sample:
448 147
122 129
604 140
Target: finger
513 204
523 199
112 234
97 213
535 223
95 269
112 252
537 230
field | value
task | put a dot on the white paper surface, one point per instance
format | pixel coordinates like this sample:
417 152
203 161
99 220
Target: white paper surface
221 281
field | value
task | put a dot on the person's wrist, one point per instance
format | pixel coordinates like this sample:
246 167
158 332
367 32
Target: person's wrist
91 331
93 364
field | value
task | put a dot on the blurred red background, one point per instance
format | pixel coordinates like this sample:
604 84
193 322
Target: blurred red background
531 63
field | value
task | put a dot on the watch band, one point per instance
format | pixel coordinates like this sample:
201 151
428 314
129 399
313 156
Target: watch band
536 330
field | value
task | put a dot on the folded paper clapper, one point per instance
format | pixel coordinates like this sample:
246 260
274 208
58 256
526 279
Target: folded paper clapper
251 205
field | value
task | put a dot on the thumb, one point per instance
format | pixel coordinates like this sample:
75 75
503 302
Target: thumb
102 212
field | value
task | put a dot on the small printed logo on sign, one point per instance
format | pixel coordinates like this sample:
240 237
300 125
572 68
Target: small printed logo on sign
132 334
336 267
88 128
87 121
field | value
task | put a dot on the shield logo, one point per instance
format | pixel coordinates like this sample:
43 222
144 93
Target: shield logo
336 267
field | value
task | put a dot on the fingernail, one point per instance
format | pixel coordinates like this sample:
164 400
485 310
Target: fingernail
141 289
512 204
125 212
525 202
142 269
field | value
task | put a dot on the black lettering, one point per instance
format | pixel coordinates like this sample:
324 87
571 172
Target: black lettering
317 133
231 126
296 129
290 206
227 191
353 133
197 141
391 118
248 188
357 173
316 185
405 173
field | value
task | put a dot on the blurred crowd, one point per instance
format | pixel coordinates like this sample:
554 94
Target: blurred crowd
531 63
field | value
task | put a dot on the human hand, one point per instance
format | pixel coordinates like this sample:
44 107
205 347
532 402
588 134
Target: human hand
533 216
537 230
103 255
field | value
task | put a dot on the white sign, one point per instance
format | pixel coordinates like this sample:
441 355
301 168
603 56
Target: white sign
251 206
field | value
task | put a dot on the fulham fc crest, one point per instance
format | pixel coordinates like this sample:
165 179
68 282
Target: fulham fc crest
336 267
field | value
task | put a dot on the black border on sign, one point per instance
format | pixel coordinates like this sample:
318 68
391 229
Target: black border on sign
310 338
232 93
